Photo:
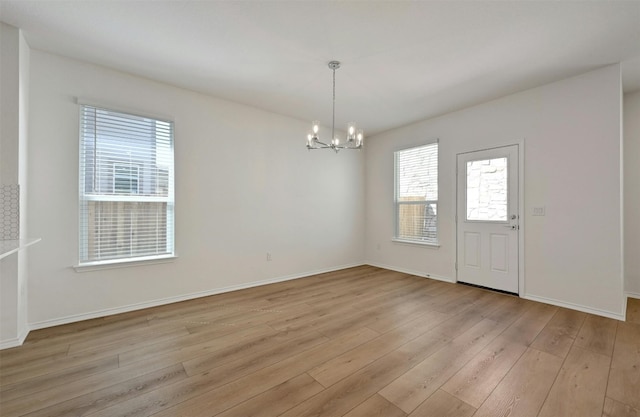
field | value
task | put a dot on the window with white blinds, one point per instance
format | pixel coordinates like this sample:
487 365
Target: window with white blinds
416 194
126 187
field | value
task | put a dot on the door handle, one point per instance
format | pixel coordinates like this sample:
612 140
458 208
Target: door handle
513 227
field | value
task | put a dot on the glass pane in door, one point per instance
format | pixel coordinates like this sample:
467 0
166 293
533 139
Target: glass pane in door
487 190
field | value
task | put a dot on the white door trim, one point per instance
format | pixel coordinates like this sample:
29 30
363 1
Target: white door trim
522 289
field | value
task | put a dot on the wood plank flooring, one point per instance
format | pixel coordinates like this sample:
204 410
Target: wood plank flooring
360 342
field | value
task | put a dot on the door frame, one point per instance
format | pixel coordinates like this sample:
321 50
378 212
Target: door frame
521 211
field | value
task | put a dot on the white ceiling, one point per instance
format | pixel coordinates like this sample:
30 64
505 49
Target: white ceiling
402 61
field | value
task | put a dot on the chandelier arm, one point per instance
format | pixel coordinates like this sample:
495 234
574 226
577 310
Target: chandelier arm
346 147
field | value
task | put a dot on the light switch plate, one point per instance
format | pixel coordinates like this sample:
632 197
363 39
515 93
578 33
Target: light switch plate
538 211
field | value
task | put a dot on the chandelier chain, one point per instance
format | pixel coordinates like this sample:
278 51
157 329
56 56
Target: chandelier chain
333 120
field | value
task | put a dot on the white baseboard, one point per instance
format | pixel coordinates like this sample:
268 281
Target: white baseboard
10 343
169 300
632 294
15 342
578 307
412 272
18 341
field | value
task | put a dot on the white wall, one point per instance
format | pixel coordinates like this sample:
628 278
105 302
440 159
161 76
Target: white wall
245 185
572 136
9 76
632 193
9 118
23 180
14 88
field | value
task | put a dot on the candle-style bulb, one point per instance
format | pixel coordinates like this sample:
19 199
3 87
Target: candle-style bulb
351 130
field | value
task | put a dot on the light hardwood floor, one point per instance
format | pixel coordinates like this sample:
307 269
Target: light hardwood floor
361 342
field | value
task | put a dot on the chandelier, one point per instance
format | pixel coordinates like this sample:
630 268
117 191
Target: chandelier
355 137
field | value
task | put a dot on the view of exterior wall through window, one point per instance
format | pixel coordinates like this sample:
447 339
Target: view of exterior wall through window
487 190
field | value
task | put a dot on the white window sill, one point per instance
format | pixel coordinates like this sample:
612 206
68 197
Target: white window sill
124 263
415 243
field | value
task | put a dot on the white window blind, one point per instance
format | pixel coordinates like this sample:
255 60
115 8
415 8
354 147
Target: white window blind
126 186
416 194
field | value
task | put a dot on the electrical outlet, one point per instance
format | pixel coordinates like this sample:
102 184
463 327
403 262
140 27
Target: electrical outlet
269 257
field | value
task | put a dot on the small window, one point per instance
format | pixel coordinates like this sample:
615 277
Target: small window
126 187
416 194
487 190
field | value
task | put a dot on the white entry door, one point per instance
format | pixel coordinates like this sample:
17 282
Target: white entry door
487 218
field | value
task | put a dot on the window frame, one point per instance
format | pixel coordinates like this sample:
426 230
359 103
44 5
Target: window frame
397 204
167 140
